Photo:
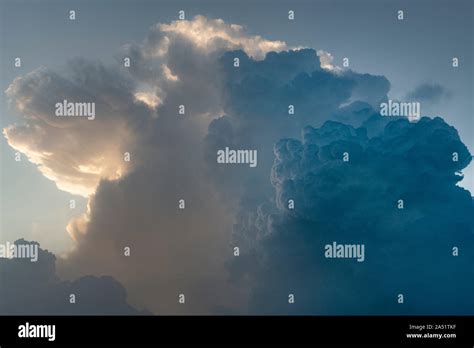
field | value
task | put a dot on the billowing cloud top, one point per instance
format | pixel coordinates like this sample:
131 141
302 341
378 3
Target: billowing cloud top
356 201
76 154
211 35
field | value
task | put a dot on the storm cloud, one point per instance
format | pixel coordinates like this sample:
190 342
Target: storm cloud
138 204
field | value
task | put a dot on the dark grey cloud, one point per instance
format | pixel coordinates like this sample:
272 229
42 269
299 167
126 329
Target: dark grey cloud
34 288
429 92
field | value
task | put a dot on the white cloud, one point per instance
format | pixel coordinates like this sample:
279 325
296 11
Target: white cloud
74 152
214 34
326 59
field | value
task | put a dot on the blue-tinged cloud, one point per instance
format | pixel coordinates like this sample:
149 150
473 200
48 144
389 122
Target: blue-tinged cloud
293 78
258 96
408 251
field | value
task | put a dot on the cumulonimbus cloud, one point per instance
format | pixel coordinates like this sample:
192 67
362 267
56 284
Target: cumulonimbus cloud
189 66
